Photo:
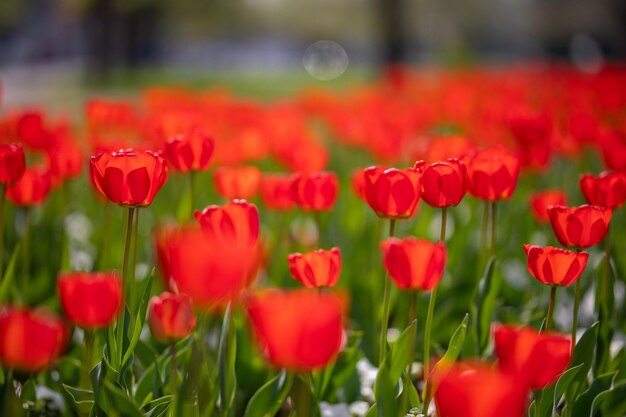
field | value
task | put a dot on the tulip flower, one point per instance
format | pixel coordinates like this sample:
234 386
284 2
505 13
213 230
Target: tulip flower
237 182
443 184
191 152
358 184
540 203
315 191
555 266
392 192
606 190
171 317
65 162
318 268
91 300
12 163
211 270
537 359
30 340
580 227
236 222
127 177
492 174
299 330
477 390
414 264
276 192
31 189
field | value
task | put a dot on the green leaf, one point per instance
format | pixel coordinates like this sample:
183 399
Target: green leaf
227 354
400 351
385 390
583 405
139 320
334 376
267 400
562 384
82 399
9 276
121 402
612 402
583 355
486 302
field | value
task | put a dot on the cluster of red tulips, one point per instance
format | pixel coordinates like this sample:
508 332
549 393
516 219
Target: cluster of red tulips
219 264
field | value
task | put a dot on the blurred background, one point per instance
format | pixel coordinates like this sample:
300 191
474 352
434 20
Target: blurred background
62 48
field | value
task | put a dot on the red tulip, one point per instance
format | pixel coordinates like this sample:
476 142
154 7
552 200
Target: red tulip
492 174
299 330
535 358
318 268
192 152
414 264
315 191
392 192
236 222
443 184
606 190
276 192
30 341
128 178
12 163
479 391
65 161
555 266
237 182
540 203
90 300
32 189
210 270
580 227
171 317
358 183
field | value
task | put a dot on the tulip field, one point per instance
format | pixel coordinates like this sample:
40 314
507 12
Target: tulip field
443 243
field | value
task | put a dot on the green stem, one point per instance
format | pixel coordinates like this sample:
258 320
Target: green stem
485 226
192 190
224 359
174 370
551 307
575 318
87 359
386 298
492 247
26 252
412 316
133 263
2 204
125 279
444 220
301 395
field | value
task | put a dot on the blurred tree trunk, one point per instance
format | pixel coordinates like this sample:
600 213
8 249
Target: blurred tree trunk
394 36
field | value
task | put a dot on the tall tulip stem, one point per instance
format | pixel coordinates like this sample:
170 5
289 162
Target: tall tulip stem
174 370
133 263
575 318
429 320
485 227
386 298
412 316
492 247
127 286
551 307
2 204
88 356
192 190
26 252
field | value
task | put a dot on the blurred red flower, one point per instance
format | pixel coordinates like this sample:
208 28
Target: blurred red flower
90 300
606 190
65 162
541 201
392 192
318 268
32 188
315 191
442 184
581 226
171 317
236 222
298 330
30 341
276 192
555 266
190 152
478 390
127 177
414 264
12 163
492 174
237 182
537 359
357 182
